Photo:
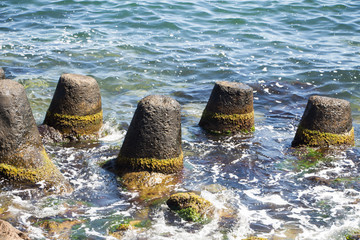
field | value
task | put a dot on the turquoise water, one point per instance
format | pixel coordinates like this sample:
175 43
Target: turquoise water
286 50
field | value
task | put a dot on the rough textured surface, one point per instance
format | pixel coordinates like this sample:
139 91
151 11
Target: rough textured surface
326 121
76 106
190 206
2 73
76 95
229 109
154 135
7 231
22 155
326 114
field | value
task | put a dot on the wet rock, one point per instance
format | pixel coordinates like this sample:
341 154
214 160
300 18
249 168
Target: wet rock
353 236
153 140
190 206
229 109
254 238
149 185
7 231
22 156
2 73
326 121
61 229
319 180
50 134
75 109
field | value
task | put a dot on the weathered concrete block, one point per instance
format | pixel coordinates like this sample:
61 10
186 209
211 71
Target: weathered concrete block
22 155
326 121
229 109
153 140
76 106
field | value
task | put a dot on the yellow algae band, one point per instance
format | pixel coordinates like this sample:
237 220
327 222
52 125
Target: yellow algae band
71 123
229 122
46 171
170 165
317 138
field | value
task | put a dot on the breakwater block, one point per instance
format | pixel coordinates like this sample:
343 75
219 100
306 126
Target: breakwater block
153 140
75 109
326 121
2 73
22 156
229 109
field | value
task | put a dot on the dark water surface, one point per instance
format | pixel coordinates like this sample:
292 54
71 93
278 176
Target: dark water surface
286 50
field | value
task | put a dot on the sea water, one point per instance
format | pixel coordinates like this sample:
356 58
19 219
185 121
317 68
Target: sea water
285 50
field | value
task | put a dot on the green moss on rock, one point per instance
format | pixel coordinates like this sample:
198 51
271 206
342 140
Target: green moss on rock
315 138
170 165
71 124
191 207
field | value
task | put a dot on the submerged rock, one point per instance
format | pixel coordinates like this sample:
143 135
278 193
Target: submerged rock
191 207
254 238
153 140
75 109
326 121
229 109
59 229
7 231
22 156
149 185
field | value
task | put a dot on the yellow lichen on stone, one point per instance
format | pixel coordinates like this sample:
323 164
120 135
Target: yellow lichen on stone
228 123
170 165
45 171
233 117
71 123
317 138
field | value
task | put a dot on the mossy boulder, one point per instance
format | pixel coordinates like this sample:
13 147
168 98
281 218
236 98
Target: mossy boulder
75 109
191 207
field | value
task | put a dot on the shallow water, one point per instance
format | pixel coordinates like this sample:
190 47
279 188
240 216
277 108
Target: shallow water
286 50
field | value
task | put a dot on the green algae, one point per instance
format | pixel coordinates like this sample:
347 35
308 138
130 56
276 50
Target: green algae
72 124
315 138
170 165
191 207
189 214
